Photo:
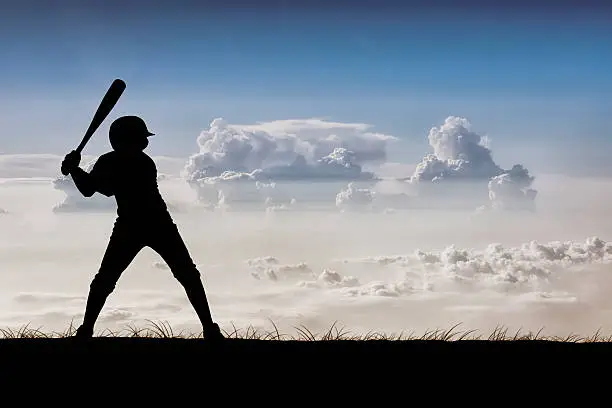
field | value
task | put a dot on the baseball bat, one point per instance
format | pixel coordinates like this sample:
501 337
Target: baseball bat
106 105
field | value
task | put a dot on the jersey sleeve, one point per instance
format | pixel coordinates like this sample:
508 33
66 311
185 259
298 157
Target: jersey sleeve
101 176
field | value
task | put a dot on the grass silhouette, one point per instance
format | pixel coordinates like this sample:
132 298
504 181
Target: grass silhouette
163 330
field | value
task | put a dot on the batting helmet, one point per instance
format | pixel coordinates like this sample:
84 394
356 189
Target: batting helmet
129 125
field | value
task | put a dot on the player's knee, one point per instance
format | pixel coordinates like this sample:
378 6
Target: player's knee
187 275
103 283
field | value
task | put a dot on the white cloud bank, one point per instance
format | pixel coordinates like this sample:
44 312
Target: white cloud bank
253 164
279 152
525 268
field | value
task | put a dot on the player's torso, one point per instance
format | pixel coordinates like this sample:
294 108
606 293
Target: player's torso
134 184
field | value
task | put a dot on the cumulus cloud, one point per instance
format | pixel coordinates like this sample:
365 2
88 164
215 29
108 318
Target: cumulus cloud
254 165
270 268
112 315
320 137
529 269
331 279
378 288
459 154
235 189
353 198
271 152
511 190
339 164
527 266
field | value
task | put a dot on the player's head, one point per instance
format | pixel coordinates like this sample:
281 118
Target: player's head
129 133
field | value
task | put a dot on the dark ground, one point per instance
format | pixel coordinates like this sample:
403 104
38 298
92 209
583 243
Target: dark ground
188 372
384 372
109 349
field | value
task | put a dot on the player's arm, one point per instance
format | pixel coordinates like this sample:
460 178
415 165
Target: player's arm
88 183
83 181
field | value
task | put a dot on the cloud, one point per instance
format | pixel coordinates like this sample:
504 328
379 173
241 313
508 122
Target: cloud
251 165
510 190
29 165
321 137
272 207
285 150
463 157
528 269
496 266
112 315
395 170
329 278
160 265
353 198
458 153
30 298
270 268
232 189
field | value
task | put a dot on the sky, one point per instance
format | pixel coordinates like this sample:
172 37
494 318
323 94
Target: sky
534 79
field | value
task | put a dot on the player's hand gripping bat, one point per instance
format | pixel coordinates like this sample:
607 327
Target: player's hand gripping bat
106 105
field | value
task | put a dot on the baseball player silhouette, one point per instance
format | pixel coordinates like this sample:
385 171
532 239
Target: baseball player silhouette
143 220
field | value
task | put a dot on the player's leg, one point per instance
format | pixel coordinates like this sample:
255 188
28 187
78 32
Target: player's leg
120 252
168 243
